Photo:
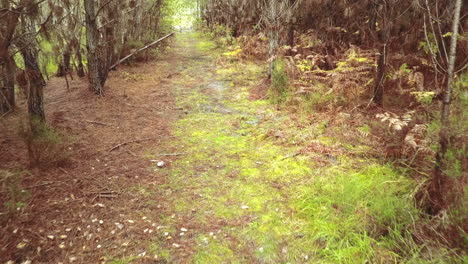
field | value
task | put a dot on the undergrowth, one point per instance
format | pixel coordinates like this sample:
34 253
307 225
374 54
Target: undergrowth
46 145
13 196
279 82
349 211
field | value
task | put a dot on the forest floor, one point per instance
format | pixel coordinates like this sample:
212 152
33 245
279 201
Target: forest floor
242 182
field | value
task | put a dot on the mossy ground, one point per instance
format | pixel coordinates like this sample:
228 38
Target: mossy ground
239 194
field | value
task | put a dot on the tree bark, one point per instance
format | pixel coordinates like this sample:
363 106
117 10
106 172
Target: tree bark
96 57
7 86
291 35
380 76
27 44
440 179
80 68
7 69
64 67
273 34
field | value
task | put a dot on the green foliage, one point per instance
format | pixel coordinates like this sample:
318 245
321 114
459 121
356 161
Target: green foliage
15 196
424 97
279 82
304 65
348 211
206 45
46 146
318 98
232 54
429 46
352 60
457 152
364 130
221 35
405 69
178 14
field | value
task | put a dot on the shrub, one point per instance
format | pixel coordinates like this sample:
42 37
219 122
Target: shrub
46 146
12 195
279 82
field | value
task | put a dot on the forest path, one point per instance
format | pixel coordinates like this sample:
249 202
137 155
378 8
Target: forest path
177 165
230 192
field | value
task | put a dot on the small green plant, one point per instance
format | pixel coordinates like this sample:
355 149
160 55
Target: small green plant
14 195
46 146
429 46
319 98
304 65
405 69
364 130
279 81
424 97
233 53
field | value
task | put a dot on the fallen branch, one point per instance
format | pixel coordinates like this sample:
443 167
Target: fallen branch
140 50
97 123
291 156
129 142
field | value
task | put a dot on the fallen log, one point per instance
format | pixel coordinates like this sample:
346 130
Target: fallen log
140 50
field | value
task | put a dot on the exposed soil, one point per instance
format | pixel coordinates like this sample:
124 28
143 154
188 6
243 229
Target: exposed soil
97 187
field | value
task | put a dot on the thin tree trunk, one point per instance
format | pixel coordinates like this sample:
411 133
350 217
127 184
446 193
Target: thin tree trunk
95 53
7 69
273 35
380 76
7 86
28 46
440 180
64 67
80 68
291 35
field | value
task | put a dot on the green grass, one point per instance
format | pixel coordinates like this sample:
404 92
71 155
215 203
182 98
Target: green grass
348 211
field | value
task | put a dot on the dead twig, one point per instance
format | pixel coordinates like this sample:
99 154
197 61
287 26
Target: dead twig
110 196
97 123
171 154
63 170
129 142
291 156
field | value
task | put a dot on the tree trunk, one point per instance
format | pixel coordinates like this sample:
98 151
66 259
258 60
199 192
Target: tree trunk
440 179
273 34
380 76
28 47
110 38
80 68
291 35
95 51
7 69
7 86
64 67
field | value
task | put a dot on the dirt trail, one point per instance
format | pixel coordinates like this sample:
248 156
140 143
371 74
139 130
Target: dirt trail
228 194
241 181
